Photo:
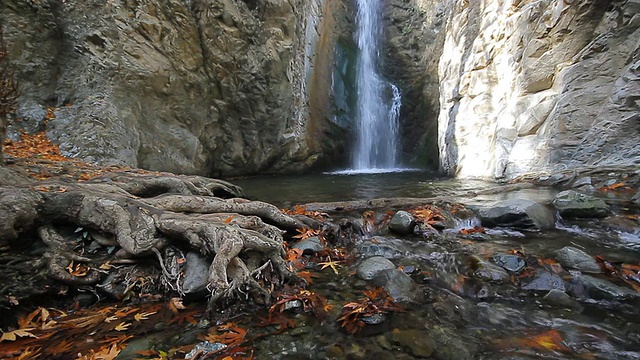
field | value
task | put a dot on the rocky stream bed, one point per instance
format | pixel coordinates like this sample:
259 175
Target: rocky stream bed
487 274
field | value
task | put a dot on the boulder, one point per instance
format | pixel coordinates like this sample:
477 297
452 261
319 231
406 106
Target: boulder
399 285
602 289
370 267
196 272
512 263
402 223
560 298
544 281
573 204
309 245
517 213
487 271
574 258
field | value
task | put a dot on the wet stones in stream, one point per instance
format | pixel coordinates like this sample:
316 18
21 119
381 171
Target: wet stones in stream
512 263
378 246
309 245
573 204
544 281
486 271
402 223
370 267
516 213
588 287
574 258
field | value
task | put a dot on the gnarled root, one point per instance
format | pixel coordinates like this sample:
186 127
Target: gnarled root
60 256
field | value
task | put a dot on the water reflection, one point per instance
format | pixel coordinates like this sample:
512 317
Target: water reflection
285 190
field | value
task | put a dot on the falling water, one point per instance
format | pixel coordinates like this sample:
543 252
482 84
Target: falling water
376 146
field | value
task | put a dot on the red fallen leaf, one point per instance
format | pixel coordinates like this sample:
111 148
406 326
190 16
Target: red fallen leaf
230 335
549 340
377 301
306 233
474 230
307 276
551 265
606 266
311 303
277 319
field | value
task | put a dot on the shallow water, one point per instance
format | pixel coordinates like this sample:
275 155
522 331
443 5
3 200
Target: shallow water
287 190
479 320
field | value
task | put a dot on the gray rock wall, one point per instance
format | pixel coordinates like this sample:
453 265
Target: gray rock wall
211 87
531 86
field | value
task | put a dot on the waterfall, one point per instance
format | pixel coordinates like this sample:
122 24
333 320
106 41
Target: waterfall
378 109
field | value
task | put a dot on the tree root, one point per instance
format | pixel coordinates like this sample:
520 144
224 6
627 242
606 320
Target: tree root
157 218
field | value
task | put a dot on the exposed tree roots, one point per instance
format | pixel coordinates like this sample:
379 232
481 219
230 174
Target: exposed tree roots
123 222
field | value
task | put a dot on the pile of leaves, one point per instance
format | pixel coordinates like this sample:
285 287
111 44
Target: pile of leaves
428 215
302 210
91 333
375 302
34 146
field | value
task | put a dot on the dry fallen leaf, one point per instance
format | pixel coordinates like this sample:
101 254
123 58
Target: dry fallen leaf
143 315
122 326
12 335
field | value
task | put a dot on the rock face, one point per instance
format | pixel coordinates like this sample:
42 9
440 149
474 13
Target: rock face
211 87
539 85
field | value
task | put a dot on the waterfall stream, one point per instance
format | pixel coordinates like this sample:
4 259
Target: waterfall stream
377 129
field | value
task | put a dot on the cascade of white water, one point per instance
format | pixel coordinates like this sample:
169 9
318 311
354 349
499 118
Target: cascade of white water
377 130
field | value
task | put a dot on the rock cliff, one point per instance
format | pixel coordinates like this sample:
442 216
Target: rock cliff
190 86
530 86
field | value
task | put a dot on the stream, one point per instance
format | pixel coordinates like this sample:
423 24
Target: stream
500 294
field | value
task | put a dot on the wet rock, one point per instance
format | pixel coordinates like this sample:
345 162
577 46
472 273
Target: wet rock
374 319
449 345
294 304
309 245
636 198
621 224
560 298
583 181
486 271
574 258
334 352
572 204
418 342
196 273
511 263
368 268
518 213
204 348
399 285
86 299
369 249
544 281
601 289
402 223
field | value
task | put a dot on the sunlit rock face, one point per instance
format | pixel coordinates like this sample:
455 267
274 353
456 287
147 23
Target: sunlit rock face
209 87
528 86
